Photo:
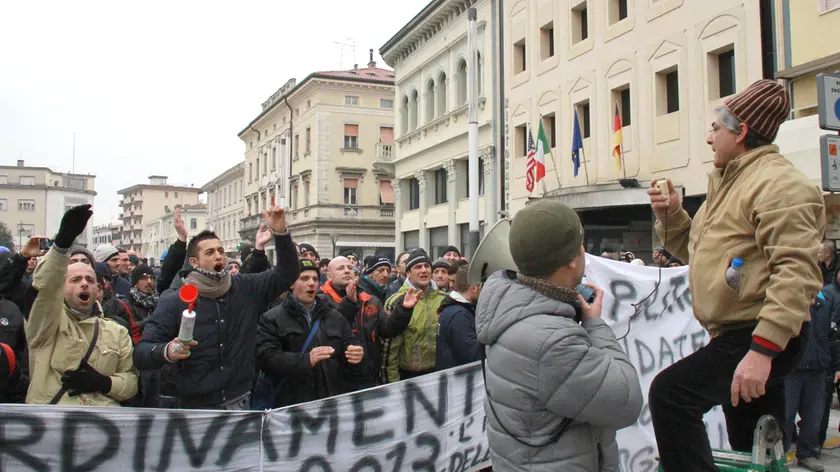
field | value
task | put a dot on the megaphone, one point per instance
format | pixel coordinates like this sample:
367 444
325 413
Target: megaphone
492 254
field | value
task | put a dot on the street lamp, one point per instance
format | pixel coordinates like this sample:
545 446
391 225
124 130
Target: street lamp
334 239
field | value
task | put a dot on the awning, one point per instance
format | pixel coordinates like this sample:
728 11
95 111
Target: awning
364 244
606 198
386 192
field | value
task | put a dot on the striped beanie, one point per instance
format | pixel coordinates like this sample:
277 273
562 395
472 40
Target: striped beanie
763 106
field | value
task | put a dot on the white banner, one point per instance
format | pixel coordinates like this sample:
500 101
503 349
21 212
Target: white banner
434 423
662 332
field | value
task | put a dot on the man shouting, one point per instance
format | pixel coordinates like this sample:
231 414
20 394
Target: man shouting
216 369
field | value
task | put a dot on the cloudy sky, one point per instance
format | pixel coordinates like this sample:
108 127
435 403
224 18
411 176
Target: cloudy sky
163 87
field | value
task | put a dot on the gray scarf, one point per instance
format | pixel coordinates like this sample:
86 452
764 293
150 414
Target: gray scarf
554 292
210 284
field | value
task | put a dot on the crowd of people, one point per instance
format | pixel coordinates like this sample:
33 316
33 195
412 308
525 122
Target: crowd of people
101 328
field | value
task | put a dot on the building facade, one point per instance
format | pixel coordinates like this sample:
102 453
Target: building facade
318 148
34 199
663 66
431 188
105 234
148 202
226 206
159 233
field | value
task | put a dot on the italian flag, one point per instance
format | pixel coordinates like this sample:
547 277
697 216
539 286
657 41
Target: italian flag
542 149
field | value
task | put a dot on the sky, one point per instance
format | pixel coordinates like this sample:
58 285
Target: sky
163 87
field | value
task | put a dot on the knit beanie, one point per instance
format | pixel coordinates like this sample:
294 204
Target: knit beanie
763 106
544 237
306 247
440 264
139 272
105 252
102 269
80 250
451 249
134 259
306 264
417 256
372 263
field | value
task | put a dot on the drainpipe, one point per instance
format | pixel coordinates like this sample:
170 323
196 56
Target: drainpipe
502 119
291 150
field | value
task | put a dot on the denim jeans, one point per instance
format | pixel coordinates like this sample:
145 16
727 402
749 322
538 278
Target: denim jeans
805 394
681 394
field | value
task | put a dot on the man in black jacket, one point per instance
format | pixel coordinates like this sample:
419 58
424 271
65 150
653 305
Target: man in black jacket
311 372
216 369
456 339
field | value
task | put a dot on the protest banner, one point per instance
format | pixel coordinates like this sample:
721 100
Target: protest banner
432 423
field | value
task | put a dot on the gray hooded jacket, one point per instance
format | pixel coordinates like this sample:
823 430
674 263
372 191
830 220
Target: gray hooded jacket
542 367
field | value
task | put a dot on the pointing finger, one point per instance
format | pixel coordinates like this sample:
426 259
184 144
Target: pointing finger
735 392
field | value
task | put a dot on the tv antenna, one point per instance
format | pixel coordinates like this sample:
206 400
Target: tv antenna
350 44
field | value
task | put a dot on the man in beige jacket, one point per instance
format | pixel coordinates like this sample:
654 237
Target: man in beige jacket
759 208
76 356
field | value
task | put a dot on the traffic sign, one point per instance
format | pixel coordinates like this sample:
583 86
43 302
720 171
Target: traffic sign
830 156
828 101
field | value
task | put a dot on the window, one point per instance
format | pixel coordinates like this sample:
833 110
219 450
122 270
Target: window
580 23
461 98
250 172
265 163
308 104
441 97
621 97
440 186
668 91
308 139
351 100
430 101
165 194
193 223
480 178
386 135
386 103
26 180
297 146
617 11
519 58
521 137
4 204
351 136
404 113
413 194
583 118
26 205
258 167
294 196
550 125
306 190
722 63
829 5
4 179
547 41
273 158
350 191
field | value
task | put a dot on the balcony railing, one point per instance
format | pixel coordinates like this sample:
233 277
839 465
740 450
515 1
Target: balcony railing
250 223
386 212
384 152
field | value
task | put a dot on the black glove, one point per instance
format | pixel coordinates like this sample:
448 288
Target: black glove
72 225
85 379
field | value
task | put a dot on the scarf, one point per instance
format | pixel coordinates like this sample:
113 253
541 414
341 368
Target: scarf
210 284
148 302
554 292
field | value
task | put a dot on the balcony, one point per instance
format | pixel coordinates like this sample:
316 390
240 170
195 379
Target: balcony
384 152
250 223
386 211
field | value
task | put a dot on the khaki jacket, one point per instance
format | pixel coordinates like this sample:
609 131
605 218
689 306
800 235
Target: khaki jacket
761 209
58 339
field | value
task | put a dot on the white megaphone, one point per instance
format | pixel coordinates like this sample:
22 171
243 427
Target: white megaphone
492 254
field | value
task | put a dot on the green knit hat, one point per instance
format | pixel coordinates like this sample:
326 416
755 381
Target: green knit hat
544 237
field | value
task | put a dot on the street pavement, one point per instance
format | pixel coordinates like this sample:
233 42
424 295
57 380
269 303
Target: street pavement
831 450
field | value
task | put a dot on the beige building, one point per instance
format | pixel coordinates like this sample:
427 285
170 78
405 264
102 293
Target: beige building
34 199
148 202
226 206
317 148
665 64
106 234
429 57
159 233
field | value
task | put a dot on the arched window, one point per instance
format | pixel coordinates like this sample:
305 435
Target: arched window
413 109
480 74
462 83
443 89
430 100
404 115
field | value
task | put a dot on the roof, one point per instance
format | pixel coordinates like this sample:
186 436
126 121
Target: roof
69 174
231 171
158 187
417 20
372 75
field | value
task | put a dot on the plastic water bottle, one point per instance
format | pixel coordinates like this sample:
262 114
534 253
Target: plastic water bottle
733 274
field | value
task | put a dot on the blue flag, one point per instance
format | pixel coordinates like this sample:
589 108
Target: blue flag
577 144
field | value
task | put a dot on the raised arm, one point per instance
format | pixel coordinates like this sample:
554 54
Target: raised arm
673 225
270 284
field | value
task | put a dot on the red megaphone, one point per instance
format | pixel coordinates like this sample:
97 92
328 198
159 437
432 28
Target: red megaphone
188 295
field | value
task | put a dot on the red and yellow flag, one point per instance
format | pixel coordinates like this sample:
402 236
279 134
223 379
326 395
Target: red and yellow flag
617 139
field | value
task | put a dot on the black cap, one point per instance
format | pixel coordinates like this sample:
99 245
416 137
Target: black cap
102 269
306 247
306 264
417 256
373 263
451 249
139 272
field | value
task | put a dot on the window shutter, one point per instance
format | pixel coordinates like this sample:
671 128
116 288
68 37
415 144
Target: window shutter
350 183
351 130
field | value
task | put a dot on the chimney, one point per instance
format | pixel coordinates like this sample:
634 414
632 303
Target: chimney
371 64
20 163
355 66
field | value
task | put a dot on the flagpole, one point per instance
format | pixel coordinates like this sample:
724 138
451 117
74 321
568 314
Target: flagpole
585 170
623 160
